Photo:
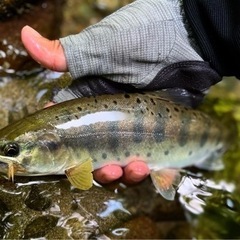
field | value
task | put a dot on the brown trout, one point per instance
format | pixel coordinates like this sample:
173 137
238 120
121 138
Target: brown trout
80 135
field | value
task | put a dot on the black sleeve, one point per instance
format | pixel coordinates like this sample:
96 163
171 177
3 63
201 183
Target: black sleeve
216 27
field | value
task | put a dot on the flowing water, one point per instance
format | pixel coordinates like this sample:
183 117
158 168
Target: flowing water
207 204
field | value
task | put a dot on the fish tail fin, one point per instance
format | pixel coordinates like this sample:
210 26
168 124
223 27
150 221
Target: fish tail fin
166 181
80 176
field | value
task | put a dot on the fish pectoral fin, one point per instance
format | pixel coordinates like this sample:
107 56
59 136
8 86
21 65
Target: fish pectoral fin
166 181
80 176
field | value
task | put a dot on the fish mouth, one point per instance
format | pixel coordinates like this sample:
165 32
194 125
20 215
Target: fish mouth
8 160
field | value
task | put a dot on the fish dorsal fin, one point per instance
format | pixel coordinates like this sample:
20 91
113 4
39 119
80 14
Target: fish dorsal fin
166 181
80 176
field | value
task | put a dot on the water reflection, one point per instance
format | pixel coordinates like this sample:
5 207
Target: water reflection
194 191
112 206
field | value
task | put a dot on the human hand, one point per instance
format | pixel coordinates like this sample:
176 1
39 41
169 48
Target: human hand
50 54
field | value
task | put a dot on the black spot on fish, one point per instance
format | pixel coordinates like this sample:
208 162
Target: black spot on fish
90 142
138 130
104 155
138 100
127 154
76 116
79 109
114 136
152 101
50 141
184 132
159 131
115 102
96 101
126 95
176 109
118 159
168 110
190 153
160 115
149 154
152 113
166 152
95 160
57 118
105 106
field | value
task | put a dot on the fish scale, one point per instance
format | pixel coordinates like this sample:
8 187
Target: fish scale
80 135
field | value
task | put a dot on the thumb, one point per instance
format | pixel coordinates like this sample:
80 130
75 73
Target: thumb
48 53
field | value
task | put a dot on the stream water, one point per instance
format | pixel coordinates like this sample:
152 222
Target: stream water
207 204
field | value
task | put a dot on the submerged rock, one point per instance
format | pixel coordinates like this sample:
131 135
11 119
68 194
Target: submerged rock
43 15
48 207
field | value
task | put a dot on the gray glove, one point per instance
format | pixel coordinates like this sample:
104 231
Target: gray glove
131 50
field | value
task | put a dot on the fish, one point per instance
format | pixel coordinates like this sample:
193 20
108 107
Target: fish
80 135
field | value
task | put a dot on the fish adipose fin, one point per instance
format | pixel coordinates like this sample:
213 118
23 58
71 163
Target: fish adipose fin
80 176
166 181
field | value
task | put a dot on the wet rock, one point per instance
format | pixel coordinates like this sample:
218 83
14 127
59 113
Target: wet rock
30 203
78 16
3 211
179 230
109 6
18 98
38 200
10 8
57 233
40 226
160 209
43 15
141 227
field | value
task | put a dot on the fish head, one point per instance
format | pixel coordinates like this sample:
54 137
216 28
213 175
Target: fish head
32 153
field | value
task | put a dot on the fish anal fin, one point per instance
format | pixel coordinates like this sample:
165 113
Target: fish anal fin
212 164
166 181
80 176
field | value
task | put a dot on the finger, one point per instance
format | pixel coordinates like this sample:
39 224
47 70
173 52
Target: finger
48 53
49 104
108 173
135 172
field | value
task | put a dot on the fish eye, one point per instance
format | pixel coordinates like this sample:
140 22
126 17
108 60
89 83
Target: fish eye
11 149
